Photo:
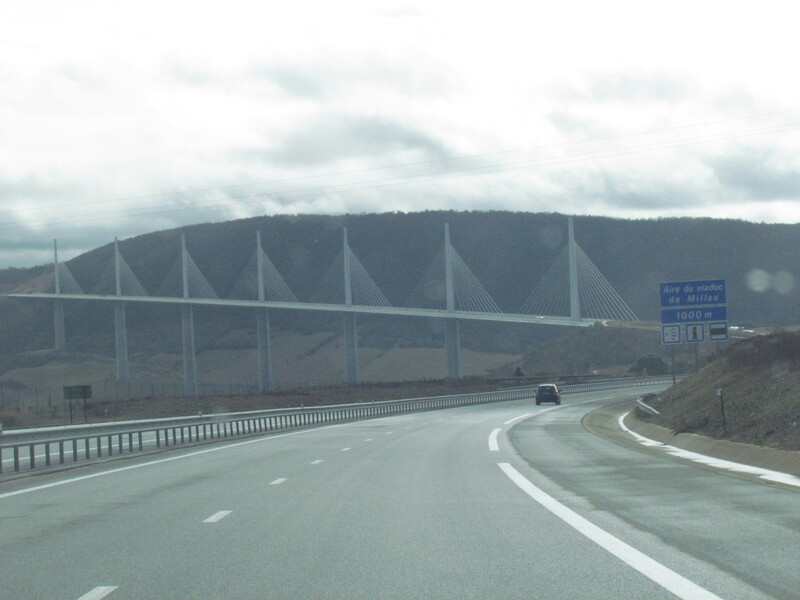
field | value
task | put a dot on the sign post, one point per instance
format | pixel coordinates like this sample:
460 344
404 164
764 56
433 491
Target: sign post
77 392
722 408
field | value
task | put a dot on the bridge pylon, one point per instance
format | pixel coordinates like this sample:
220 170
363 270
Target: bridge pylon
120 327
452 334
265 383
349 325
60 341
187 329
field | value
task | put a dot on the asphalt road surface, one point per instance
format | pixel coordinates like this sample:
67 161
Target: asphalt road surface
510 500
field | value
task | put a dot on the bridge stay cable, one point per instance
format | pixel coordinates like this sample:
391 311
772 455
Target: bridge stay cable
65 282
115 271
274 285
598 299
195 283
364 290
470 295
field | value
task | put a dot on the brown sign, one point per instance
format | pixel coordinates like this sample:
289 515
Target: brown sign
77 392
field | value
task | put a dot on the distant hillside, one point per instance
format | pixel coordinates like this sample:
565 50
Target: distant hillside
760 383
508 252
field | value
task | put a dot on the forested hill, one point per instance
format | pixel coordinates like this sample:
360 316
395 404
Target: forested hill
508 252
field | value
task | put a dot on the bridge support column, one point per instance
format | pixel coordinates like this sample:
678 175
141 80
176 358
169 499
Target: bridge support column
452 335
262 326
453 343
187 326
120 327
350 329
350 347
60 330
121 339
189 365
60 342
264 351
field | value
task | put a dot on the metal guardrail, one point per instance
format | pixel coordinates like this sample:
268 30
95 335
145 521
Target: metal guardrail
34 448
646 407
614 384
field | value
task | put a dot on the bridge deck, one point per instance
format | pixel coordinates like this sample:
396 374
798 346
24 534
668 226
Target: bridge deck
337 308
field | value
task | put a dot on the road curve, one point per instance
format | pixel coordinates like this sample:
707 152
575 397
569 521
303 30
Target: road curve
508 500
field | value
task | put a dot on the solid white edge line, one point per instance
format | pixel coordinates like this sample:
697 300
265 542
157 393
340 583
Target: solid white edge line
99 592
218 516
519 418
719 463
493 445
650 568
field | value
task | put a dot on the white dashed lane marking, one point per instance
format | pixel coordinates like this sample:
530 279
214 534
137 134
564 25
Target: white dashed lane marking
99 592
218 516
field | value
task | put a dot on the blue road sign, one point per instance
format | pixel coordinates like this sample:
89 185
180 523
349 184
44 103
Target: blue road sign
694 315
686 308
706 292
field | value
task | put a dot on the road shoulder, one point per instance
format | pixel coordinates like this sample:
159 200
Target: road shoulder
604 422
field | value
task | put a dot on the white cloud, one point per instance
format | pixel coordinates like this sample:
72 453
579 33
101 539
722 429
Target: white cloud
126 117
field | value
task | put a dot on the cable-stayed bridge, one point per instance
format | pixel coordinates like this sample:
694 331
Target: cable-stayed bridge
573 293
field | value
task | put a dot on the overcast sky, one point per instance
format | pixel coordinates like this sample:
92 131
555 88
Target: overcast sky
119 118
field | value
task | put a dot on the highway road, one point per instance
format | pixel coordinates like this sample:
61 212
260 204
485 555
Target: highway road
509 500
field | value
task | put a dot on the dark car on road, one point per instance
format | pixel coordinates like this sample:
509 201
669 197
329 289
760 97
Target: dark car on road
547 392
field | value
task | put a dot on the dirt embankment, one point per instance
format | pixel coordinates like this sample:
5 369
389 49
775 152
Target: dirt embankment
759 380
